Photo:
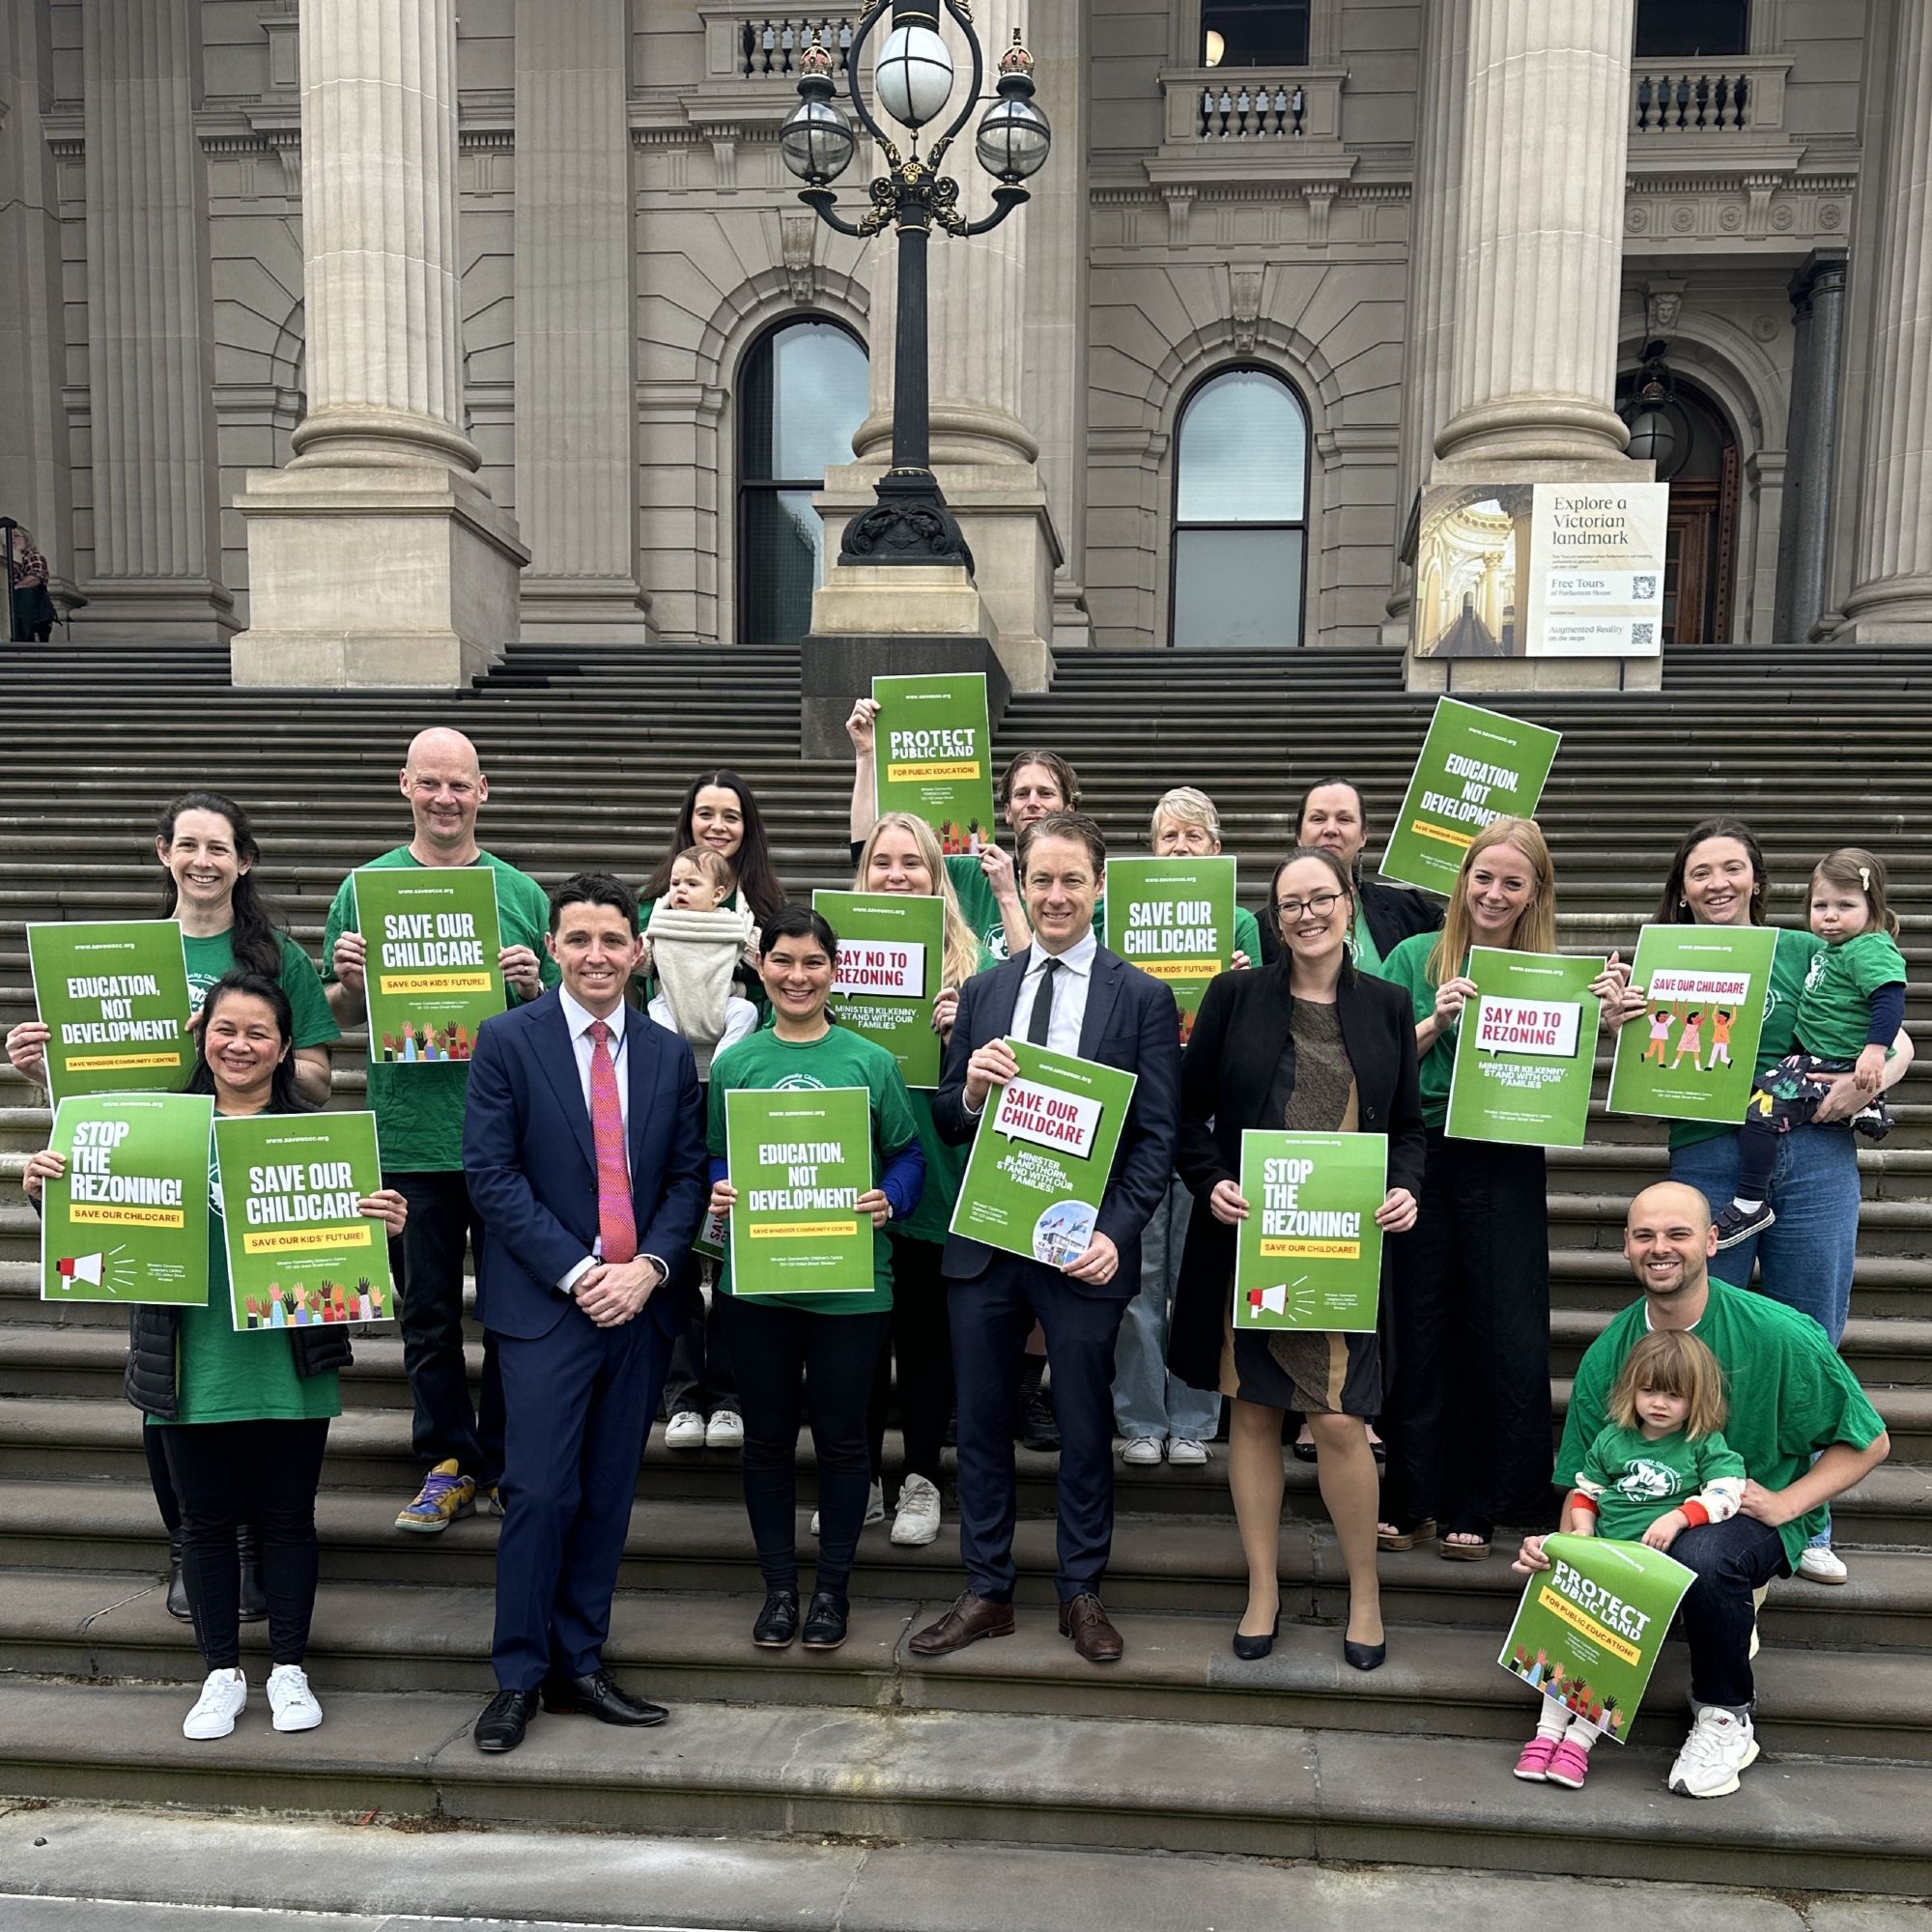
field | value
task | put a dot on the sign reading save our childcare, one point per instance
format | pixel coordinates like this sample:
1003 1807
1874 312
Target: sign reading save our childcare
799 1158
933 754
1045 1146
1476 766
1175 919
1525 1049
128 1222
299 1255
1589 1628
116 1003
1690 1052
890 946
1310 1252
433 968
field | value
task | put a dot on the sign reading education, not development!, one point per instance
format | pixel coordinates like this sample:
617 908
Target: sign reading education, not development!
116 1003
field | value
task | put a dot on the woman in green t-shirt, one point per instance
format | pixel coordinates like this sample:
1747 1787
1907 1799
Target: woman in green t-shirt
244 1417
829 1342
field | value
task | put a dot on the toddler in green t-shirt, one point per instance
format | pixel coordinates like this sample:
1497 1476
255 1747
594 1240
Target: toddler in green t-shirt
1848 1012
1657 1466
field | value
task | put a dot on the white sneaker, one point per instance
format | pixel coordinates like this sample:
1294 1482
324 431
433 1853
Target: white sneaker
222 1698
1142 1452
684 1431
875 1508
918 1520
724 1431
291 1700
1822 1565
1186 1451
1720 1745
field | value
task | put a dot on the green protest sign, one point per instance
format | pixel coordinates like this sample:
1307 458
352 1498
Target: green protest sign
1690 1055
714 1236
1525 1049
934 755
1475 766
799 1158
116 1004
1589 1628
891 949
128 1222
1310 1252
1175 919
1040 1159
432 972
298 1253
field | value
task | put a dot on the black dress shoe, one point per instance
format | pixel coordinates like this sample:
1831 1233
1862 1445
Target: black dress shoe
598 1697
177 1603
1364 1656
1250 1648
505 1718
777 1621
254 1601
1040 1429
825 1620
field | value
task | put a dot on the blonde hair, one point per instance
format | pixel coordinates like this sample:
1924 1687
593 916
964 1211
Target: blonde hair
1535 929
1185 804
1672 1361
960 953
713 864
1854 869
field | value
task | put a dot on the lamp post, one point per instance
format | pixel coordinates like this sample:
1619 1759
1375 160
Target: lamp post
910 523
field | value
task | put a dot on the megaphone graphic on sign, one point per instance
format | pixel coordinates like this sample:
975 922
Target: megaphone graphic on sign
1274 1301
80 1267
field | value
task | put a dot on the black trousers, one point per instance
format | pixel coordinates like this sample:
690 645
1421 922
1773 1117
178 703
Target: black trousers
775 1349
160 1479
922 1342
428 1260
228 1473
1467 1418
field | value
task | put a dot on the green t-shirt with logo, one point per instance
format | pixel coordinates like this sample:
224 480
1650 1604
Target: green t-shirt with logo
1834 1009
1407 966
981 909
842 1058
1367 955
208 958
1790 1394
419 1109
1636 1479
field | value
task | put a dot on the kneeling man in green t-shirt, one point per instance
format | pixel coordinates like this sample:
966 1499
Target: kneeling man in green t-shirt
1791 1400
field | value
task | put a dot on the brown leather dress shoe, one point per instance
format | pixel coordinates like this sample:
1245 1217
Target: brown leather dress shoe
968 1620
1094 1637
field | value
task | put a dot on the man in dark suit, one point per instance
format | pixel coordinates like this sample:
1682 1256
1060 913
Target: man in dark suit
583 1146
1067 992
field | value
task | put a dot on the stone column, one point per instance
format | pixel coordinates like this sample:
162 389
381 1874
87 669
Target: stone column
150 316
1538 260
376 556
1805 523
576 349
1892 591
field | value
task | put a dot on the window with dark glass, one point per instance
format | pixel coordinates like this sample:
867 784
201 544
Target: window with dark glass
1254 33
1692 29
1241 507
802 395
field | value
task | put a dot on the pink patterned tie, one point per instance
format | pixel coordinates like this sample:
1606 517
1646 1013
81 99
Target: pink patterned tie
616 1218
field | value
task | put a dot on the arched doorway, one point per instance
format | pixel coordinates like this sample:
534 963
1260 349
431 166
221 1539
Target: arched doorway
1700 552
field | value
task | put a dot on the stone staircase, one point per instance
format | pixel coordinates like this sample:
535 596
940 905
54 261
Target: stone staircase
589 753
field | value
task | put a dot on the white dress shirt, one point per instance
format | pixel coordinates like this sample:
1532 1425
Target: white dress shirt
1069 996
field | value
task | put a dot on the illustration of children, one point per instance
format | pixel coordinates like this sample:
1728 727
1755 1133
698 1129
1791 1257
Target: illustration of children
278 1314
1659 1035
1722 1023
1691 1041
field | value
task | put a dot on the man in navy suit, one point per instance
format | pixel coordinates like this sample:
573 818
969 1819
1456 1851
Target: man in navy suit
1065 991
583 1146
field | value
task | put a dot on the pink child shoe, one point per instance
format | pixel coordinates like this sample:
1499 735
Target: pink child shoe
1569 1764
1534 1763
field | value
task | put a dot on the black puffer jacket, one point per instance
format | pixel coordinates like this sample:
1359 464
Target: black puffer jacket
153 1382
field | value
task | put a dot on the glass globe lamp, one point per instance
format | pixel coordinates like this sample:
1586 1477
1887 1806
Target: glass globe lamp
914 75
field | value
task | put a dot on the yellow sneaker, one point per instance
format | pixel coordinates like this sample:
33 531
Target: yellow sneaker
446 1494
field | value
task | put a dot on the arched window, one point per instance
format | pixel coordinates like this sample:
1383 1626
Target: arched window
802 395
1241 507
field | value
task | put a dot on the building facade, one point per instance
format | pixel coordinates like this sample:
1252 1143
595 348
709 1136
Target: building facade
1285 258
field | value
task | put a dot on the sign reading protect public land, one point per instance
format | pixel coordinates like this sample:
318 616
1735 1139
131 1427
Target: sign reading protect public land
1525 1049
891 949
1589 1628
298 1253
933 757
1040 1159
1174 919
1689 1054
116 1003
1475 766
433 973
1310 1252
128 1222
799 1158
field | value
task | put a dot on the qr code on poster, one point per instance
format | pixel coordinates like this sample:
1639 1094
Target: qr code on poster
1642 589
1642 635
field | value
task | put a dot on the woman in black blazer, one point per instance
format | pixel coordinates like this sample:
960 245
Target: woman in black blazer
1310 1045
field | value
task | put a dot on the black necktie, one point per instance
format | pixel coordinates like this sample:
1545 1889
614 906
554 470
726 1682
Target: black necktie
1041 1017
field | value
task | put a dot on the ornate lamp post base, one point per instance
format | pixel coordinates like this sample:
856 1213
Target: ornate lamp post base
910 524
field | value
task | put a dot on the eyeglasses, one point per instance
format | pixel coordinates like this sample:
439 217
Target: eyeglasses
1321 905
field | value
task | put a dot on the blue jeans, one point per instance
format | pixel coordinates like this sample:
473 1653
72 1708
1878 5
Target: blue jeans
1807 1254
1732 1560
1148 1401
